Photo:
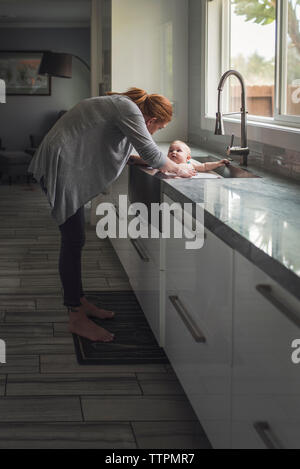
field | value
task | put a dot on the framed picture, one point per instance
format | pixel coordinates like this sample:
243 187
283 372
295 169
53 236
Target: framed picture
19 70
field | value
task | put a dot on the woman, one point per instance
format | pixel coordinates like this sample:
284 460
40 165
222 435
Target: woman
82 154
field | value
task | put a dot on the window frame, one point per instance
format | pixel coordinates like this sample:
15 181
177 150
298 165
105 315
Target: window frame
279 121
281 78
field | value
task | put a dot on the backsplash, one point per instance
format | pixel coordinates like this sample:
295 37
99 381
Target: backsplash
277 160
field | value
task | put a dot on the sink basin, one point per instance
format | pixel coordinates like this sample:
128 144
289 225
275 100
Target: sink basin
226 171
144 184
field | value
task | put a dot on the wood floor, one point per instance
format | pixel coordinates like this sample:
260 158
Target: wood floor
47 399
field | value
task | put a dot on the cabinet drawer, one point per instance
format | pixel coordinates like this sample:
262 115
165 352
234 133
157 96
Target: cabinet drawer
204 375
202 279
134 257
140 259
266 383
198 329
145 280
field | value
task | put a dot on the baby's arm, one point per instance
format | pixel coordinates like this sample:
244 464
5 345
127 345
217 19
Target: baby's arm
210 166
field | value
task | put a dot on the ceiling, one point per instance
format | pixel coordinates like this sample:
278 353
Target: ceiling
45 13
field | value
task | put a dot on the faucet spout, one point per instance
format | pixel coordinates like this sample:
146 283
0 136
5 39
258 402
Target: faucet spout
219 129
243 150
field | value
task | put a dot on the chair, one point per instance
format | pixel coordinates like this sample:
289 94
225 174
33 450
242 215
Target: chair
14 163
35 140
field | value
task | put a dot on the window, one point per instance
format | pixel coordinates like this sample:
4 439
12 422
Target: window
291 59
252 53
260 39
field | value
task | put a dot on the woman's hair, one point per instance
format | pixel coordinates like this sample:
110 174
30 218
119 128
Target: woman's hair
151 105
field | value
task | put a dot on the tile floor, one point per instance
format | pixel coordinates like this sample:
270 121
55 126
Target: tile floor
47 400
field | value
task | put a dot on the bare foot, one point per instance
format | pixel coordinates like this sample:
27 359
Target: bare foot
81 325
92 310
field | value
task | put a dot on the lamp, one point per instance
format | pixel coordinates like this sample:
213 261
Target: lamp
58 64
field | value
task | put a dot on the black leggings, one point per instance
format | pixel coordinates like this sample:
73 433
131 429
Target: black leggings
72 242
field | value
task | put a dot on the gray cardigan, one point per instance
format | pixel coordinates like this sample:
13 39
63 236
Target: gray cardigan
87 149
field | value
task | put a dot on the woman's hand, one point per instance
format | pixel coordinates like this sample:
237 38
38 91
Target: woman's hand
222 162
186 172
177 169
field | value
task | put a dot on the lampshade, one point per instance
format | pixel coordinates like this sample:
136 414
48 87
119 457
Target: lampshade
56 64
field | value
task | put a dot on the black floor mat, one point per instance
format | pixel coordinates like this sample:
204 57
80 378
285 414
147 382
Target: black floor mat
134 341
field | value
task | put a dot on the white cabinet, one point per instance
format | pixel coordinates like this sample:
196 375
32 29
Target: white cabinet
198 329
145 280
227 329
141 261
266 383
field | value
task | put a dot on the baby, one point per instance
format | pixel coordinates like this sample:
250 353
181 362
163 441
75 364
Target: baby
180 153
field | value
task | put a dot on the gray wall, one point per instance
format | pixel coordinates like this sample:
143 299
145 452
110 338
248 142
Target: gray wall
25 115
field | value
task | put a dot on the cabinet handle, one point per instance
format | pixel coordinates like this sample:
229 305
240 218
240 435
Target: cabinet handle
265 432
139 250
188 321
267 292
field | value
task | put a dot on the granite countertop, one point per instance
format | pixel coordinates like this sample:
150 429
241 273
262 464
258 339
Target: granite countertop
259 217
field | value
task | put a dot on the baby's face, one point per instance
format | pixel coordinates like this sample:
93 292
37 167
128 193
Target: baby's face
178 153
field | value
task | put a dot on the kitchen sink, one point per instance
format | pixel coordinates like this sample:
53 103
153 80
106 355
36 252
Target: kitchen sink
226 171
144 183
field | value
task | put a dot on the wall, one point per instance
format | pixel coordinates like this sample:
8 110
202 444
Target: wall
194 67
149 45
25 115
100 47
273 150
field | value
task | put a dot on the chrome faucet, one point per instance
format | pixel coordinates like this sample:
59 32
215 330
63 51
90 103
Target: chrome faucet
243 150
